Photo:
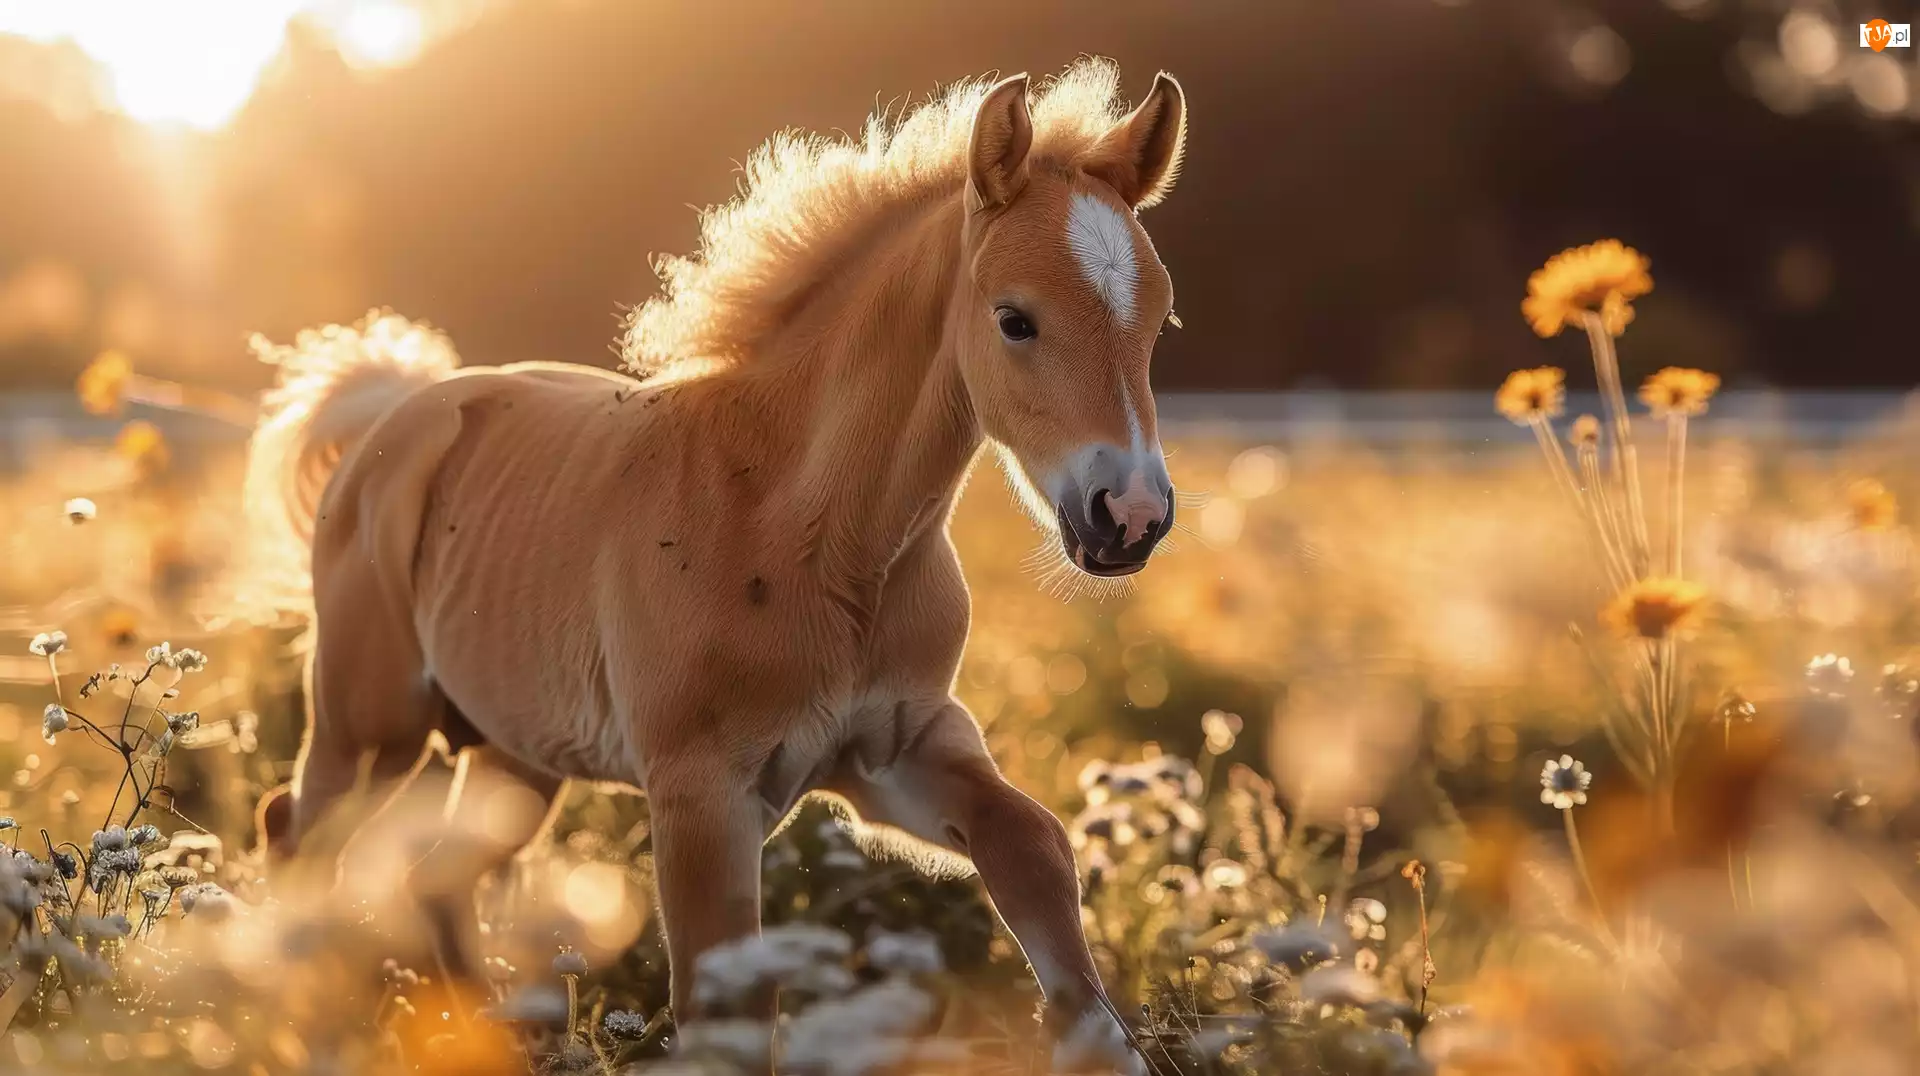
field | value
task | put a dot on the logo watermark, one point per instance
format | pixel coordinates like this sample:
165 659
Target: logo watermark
1881 34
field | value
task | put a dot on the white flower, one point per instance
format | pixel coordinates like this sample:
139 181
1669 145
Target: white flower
1828 676
81 510
48 643
1366 919
784 955
159 655
747 1044
1097 1043
913 952
53 721
870 1030
187 659
1564 782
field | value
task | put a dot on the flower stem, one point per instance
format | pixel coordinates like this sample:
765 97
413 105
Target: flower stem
1676 482
1626 462
1733 885
1586 879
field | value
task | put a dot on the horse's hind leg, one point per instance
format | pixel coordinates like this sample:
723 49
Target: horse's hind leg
370 711
494 808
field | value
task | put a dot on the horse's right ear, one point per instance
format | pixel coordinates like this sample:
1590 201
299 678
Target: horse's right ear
997 154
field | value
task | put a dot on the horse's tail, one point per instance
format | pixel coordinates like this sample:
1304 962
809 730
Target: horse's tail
335 385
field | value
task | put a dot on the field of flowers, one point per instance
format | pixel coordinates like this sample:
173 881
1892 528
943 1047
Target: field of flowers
1453 759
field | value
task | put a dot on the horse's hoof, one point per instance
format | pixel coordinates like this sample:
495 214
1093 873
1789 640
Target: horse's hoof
1097 1043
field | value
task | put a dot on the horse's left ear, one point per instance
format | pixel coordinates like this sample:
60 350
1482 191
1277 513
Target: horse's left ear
1140 156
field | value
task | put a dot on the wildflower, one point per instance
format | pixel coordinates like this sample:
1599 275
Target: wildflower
1111 823
178 877
843 859
1094 775
1298 946
780 955
1224 874
48 643
1871 505
187 660
1655 607
1601 277
211 901
111 839
158 655
1585 432
399 976
142 444
1221 729
1338 986
1366 919
570 963
151 885
1678 390
81 510
110 863
745 1044
1527 395
624 1024
1899 686
1828 676
103 383
7 822
112 926
913 952
1564 782
1736 707
66 863
141 836
869 1031
575 1056
183 723
53 721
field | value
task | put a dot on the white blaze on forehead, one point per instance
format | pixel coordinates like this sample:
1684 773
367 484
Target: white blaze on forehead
1102 241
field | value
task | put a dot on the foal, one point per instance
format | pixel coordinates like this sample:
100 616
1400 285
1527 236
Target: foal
729 583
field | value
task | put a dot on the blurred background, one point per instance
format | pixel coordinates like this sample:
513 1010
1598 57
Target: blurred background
1368 182
1377 627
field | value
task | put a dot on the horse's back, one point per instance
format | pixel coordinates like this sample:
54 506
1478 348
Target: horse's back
465 522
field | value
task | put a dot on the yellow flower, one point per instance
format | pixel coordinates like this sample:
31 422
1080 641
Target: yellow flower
1655 607
1677 390
1603 277
1530 394
103 382
1585 432
142 444
1872 505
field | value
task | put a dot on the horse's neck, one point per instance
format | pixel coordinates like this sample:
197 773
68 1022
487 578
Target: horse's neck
863 368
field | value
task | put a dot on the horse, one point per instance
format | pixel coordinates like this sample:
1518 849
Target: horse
722 576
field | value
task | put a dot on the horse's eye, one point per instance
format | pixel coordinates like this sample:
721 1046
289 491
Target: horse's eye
1014 325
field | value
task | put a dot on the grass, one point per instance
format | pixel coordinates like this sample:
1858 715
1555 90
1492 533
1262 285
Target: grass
1312 762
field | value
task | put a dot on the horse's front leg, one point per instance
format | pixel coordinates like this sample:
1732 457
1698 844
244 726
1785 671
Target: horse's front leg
708 829
945 789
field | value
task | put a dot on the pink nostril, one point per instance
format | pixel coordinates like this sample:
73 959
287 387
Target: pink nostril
1136 509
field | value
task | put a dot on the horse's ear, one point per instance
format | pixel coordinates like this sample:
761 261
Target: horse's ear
1140 156
997 154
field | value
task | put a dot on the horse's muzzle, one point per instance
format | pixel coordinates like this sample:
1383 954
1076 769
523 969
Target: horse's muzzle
1112 534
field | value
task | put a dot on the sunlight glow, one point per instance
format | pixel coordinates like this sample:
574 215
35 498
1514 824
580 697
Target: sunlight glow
380 34
196 62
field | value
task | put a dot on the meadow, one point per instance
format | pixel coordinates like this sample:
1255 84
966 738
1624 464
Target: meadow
1438 756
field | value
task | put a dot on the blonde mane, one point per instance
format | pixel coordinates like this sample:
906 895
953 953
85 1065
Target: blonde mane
804 197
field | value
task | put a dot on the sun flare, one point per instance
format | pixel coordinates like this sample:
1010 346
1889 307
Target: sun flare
196 63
